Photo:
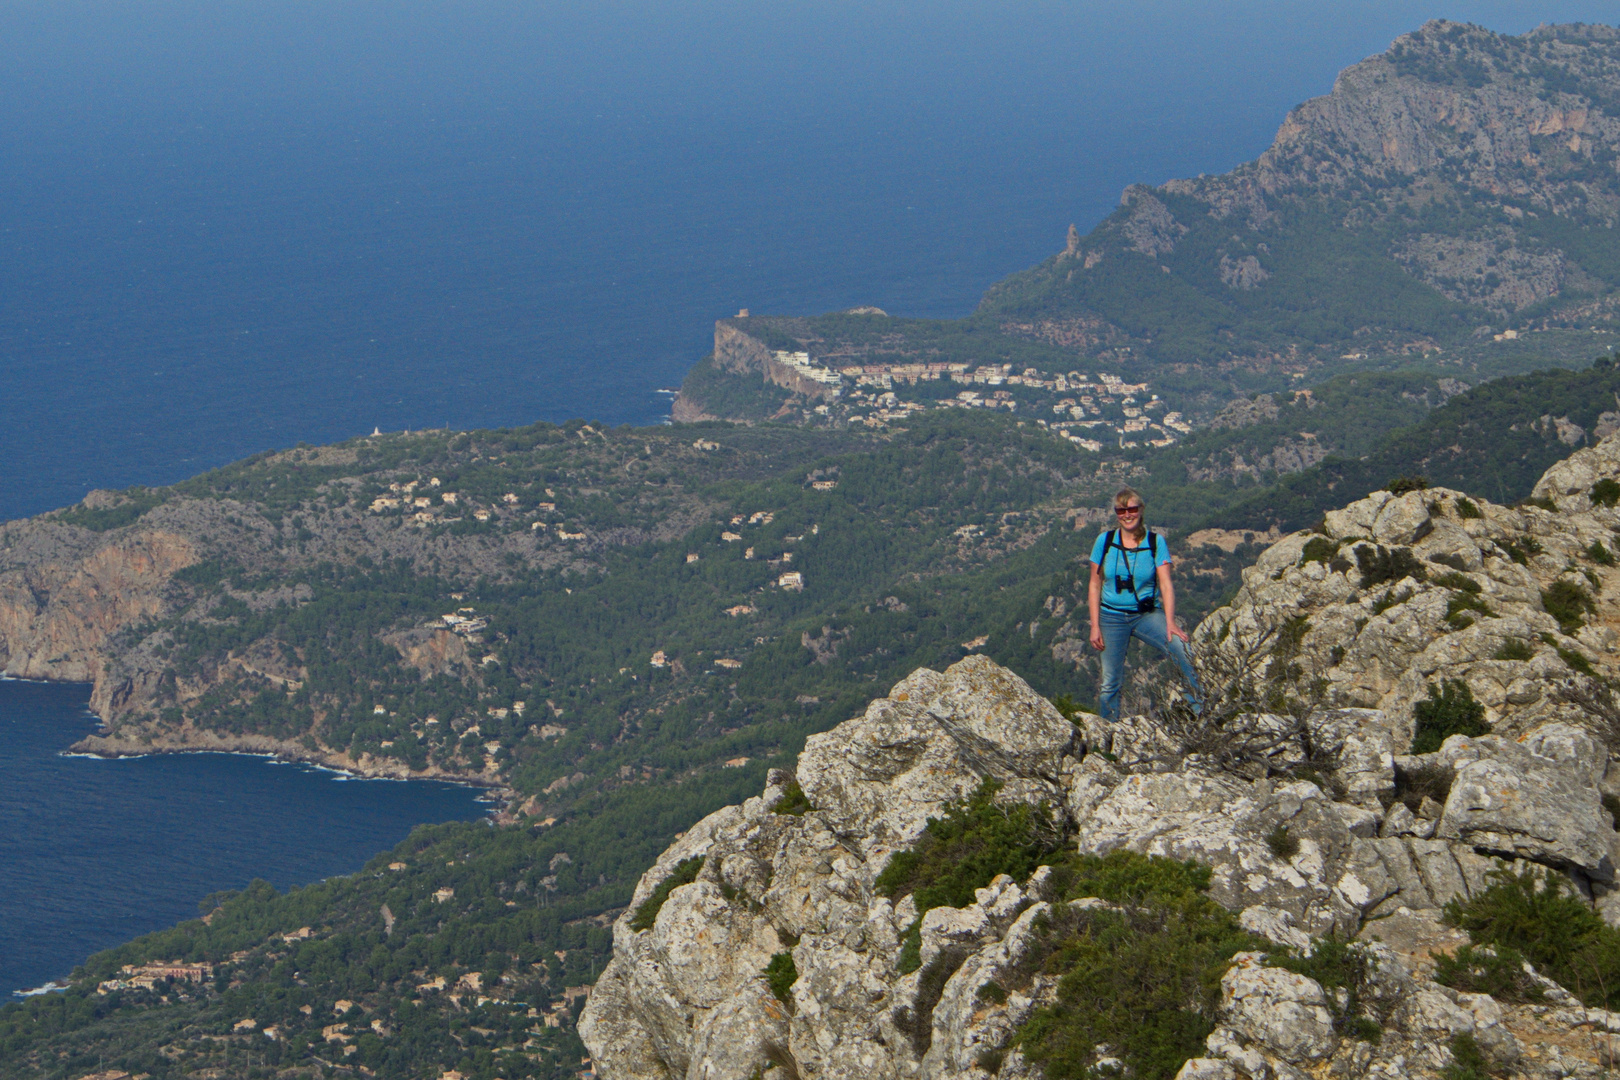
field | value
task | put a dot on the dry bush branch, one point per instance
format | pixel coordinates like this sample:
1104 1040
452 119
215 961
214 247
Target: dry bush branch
1598 701
1253 719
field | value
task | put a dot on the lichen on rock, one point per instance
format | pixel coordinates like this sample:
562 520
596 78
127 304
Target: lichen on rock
1338 834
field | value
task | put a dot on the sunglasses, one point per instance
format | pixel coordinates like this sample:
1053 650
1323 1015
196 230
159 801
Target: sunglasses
1123 510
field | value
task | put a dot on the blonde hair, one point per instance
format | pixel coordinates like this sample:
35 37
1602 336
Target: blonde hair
1122 498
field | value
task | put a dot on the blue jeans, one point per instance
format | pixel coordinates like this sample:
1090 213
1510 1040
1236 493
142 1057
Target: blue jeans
1117 630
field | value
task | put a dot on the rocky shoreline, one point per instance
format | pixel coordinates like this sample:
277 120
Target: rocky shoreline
192 740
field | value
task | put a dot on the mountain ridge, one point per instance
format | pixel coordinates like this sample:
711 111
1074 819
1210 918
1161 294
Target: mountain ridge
1451 194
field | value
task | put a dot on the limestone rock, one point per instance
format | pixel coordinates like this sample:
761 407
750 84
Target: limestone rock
882 776
1207 1069
1295 860
1508 799
1465 604
1225 822
1004 728
1285 1013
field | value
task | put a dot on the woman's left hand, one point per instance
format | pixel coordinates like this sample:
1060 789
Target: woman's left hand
1175 631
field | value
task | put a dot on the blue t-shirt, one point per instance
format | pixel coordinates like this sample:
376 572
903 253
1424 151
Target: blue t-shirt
1138 564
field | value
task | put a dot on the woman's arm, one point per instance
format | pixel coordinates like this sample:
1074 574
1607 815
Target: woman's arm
1094 598
1168 591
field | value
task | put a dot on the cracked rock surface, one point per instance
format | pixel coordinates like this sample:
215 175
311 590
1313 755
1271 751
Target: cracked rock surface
688 997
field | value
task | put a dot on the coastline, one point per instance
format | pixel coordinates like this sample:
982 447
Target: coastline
153 841
109 744
190 740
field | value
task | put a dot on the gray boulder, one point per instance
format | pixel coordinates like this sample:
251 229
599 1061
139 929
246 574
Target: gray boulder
1507 799
1004 728
1284 1013
1227 824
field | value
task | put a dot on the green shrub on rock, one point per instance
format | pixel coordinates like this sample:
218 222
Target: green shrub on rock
1450 710
794 802
1283 844
1142 976
1319 549
1142 979
1468 1060
685 872
1521 549
1495 970
1460 603
1568 603
1540 917
1403 485
1412 786
780 975
1515 649
1457 582
1344 969
1380 564
963 852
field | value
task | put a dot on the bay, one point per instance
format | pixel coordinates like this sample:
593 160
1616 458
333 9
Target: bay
94 852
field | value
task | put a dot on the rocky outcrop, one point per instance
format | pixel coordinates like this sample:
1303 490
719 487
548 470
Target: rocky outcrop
738 352
1246 411
1399 593
431 651
687 994
1338 849
1523 123
1151 229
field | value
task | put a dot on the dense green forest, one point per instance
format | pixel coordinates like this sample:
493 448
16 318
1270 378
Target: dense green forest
1495 441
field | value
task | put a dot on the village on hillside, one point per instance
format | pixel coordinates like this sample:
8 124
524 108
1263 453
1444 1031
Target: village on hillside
1095 412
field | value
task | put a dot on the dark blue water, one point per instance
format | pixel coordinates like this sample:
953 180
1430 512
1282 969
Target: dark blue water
95 852
229 227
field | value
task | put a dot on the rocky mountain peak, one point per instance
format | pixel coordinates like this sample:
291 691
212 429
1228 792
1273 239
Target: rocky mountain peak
1516 117
771 941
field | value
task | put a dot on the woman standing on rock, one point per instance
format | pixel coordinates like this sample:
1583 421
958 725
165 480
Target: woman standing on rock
1131 596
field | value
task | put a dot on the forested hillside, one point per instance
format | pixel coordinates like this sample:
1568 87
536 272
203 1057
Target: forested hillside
960 532
1495 441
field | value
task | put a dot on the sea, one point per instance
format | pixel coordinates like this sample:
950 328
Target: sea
96 851
227 228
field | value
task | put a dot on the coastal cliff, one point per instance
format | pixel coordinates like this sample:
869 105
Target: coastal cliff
1476 165
530 608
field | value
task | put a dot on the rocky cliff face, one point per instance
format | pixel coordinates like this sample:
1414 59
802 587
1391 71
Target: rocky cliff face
1466 178
1522 120
101 592
66 596
1400 592
1502 114
740 354
1394 595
